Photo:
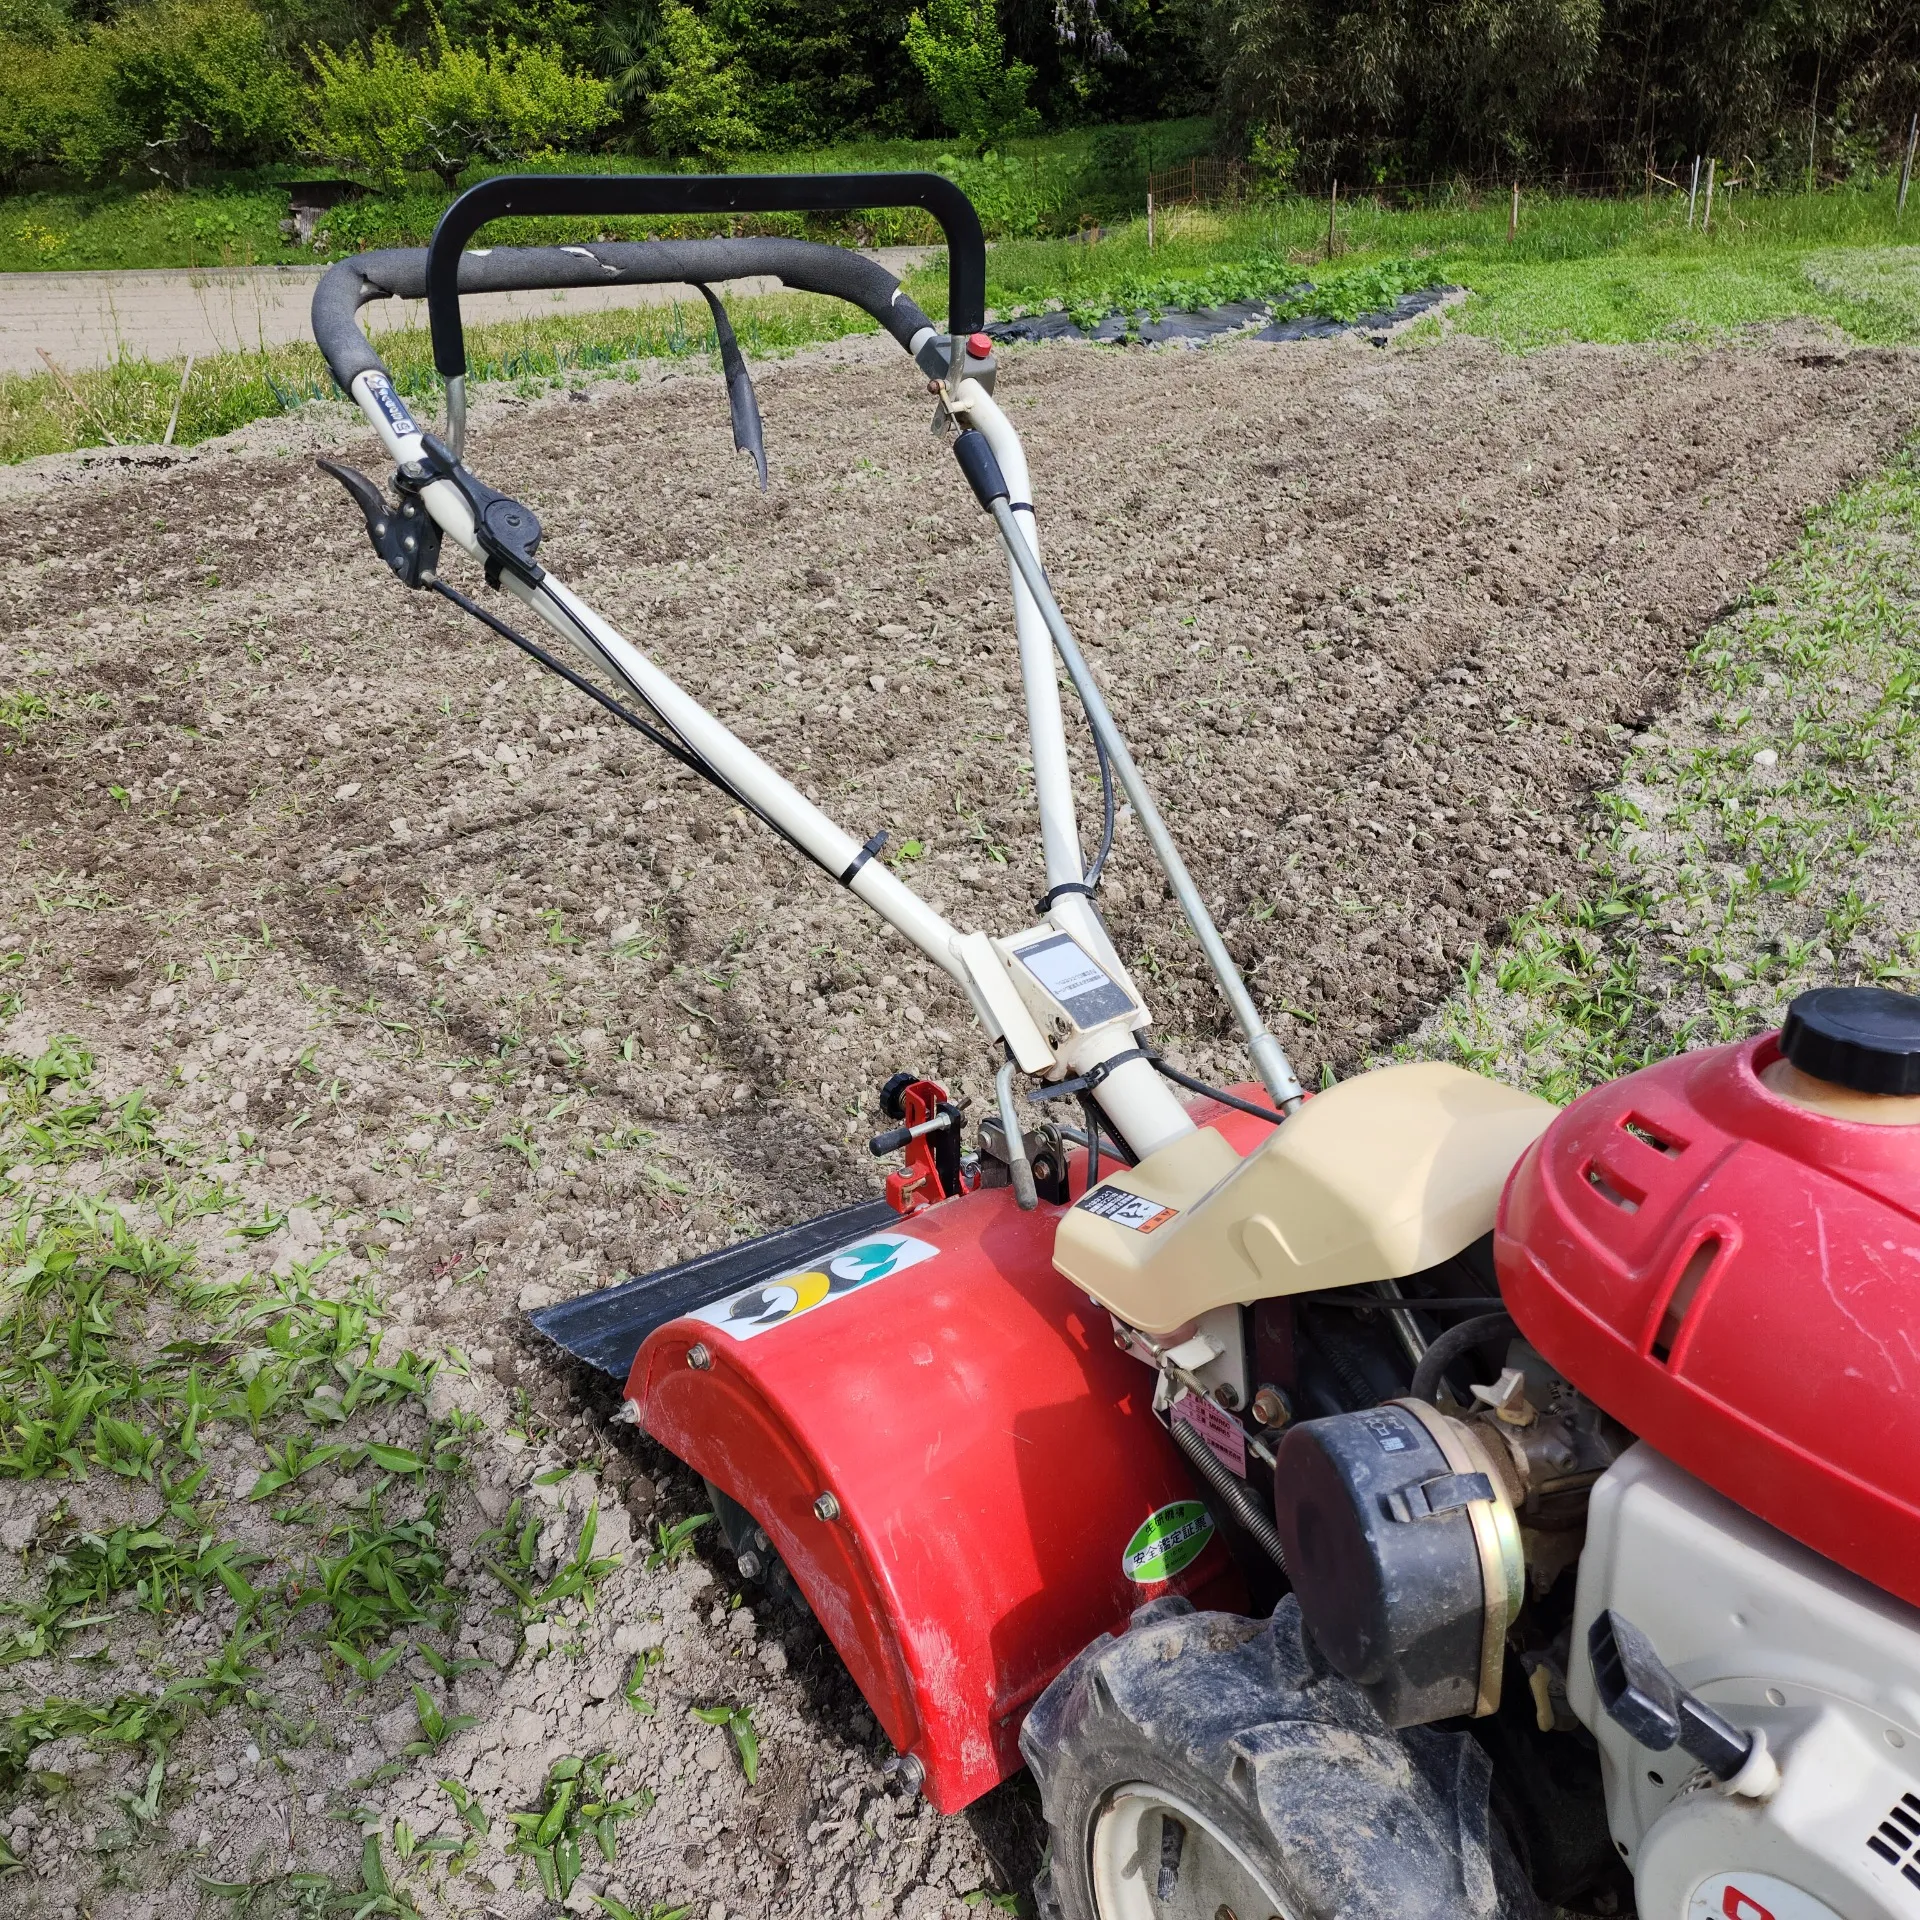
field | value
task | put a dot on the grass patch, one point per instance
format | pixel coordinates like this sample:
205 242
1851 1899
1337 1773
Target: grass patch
1755 845
118 1360
1599 270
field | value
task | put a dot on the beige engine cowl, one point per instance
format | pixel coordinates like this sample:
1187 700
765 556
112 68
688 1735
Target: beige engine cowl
1379 1177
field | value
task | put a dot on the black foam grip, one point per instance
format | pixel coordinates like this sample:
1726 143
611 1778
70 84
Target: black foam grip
977 462
809 266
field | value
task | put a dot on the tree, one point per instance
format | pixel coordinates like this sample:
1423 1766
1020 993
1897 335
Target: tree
962 57
170 86
819 70
1370 91
389 113
700 110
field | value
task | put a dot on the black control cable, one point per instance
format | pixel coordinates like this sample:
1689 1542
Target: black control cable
1225 1098
1107 805
668 742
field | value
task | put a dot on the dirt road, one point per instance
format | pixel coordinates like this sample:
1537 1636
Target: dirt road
449 979
91 319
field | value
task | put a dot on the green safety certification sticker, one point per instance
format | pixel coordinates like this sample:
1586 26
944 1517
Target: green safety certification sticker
1167 1542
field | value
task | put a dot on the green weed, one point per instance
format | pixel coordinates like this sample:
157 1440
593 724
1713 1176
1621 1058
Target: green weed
574 1808
738 1722
672 1543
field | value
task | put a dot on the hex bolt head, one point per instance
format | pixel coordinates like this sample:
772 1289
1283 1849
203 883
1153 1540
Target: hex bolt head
1271 1407
1227 1396
750 1565
826 1508
698 1358
905 1770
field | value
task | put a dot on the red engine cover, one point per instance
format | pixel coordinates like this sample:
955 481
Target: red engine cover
989 1452
1737 1280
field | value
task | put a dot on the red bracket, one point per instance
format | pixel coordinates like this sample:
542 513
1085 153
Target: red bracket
919 1184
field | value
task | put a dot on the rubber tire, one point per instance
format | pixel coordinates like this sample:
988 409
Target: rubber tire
1243 1720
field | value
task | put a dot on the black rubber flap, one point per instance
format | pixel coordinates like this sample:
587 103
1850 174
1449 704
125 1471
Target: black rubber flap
1866 1038
606 1329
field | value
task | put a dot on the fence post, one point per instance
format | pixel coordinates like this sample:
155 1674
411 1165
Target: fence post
1513 217
1333 212
1813 120
1906 172
1706 212
1149 219
1693 191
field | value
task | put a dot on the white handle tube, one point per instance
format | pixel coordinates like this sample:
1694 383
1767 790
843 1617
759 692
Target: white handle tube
1269 1057
735 762
1040 681
748 775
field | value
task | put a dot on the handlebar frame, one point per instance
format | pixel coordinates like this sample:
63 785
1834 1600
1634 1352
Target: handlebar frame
528 195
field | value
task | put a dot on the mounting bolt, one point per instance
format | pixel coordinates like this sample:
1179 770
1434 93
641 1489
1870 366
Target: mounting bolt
1271 1407
1227 1395
826 1508
698 1358
904 1770
750 1565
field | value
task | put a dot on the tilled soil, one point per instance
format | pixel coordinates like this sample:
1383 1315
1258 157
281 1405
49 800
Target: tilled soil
504 1006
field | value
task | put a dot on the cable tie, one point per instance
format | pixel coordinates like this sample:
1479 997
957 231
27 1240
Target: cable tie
861 858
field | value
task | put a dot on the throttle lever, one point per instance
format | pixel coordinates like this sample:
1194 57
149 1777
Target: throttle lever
406 536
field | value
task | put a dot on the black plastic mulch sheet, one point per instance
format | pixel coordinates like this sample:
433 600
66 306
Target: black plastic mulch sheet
1211 323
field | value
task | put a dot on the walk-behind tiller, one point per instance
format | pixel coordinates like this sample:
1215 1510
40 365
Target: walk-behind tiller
1400 1502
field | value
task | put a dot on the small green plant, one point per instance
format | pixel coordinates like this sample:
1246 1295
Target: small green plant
738 1721
436 1727
673 1543
472 1814
575 1807
19 710
643 1664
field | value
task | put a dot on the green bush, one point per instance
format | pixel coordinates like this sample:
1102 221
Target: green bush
700 111
960 53
192 82
387 113
39 85
173 86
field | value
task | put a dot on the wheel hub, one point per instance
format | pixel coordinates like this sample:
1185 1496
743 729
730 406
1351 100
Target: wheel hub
1155 1857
